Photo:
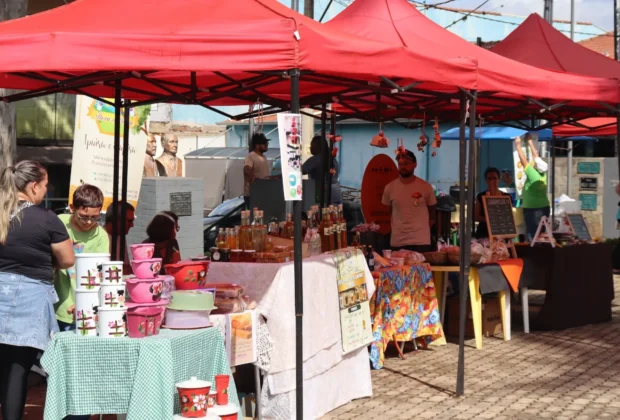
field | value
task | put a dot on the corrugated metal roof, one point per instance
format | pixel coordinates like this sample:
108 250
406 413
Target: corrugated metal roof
227 153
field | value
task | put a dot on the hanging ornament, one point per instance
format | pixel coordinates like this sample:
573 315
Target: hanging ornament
400 150
423 138
380 140
437 139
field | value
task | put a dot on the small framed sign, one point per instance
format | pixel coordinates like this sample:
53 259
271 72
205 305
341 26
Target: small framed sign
181 203
588 202
589 167
587 183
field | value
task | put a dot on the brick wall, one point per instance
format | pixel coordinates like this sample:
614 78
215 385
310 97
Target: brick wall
155 197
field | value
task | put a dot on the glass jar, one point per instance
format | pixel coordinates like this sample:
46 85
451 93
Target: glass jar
236 255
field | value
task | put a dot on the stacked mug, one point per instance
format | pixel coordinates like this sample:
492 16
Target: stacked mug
87 285
145 310
111 319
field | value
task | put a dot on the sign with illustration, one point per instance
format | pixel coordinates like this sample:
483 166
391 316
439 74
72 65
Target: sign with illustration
241 338
93 149
355 325
289 132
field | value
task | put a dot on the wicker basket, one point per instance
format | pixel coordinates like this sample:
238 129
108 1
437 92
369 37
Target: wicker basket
436 258
455 258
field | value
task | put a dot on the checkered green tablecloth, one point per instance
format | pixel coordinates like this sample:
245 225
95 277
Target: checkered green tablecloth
93 375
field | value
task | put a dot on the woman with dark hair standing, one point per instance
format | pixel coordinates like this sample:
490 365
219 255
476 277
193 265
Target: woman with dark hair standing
312 167
491 175
33 241
162 231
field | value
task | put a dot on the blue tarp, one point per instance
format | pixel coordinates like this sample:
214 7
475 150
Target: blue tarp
505 133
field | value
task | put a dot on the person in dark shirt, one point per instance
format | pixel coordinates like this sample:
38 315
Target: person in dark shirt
33 241
312 167
491 175
162 231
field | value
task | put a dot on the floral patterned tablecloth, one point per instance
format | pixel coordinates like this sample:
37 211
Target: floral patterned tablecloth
404 306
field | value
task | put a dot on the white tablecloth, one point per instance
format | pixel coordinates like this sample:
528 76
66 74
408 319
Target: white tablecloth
325 368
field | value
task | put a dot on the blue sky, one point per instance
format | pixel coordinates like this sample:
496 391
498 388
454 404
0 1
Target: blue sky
599 12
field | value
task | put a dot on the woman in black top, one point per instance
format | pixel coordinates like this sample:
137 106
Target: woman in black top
491 175
32 242
162 231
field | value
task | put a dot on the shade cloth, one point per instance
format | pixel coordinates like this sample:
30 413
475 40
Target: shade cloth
578 280
404 307
94 375
491 132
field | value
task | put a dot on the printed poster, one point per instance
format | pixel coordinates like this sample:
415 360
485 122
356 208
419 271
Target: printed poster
241 338
93 150
289 133
355 322
519 170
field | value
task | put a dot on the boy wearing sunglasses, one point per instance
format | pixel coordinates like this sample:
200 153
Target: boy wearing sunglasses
87 237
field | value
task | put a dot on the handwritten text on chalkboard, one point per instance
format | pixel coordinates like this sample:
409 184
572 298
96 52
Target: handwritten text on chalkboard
579 226
501 221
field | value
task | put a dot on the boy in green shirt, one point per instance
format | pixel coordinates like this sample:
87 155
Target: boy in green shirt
87 237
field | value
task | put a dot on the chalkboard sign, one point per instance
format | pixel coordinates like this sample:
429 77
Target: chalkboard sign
500 220
578 224
181 203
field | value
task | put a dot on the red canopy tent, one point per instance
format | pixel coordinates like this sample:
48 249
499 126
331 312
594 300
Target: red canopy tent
154 46
539 44
208 52
503 82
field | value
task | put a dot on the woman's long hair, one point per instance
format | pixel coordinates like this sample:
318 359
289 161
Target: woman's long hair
14 179
161 227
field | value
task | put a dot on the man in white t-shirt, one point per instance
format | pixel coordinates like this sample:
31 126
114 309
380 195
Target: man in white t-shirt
412 204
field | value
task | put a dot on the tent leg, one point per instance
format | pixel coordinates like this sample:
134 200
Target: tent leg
618 138
552 180
322 169
299 302
330 160
460 380
116 175
123 215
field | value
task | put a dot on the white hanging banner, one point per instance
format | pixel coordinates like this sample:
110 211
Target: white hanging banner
289 133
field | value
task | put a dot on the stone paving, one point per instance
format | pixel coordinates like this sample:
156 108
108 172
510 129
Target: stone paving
570 374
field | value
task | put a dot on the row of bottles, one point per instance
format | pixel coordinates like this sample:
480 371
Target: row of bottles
332 228
247 236
323 234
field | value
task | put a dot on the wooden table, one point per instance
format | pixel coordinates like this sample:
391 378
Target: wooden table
440 275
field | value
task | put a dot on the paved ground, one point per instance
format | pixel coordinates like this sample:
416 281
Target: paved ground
572 374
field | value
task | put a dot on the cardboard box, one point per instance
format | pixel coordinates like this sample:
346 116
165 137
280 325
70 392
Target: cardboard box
491 318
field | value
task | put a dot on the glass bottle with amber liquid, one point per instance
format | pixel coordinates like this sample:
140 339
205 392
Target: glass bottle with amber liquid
289 227
259 232
333 216
343 227
245 232
326 232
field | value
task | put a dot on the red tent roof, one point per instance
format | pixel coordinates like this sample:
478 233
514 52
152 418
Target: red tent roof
173 37
399 23
537 43
594 127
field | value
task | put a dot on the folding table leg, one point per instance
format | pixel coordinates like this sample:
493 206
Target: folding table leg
476 305
504 304
525 307
259 414
441 287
